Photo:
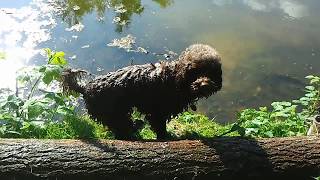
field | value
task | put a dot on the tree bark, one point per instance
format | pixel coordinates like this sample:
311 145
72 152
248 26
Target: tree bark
218 158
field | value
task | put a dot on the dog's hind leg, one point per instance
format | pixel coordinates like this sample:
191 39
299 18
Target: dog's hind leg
158 124
121 125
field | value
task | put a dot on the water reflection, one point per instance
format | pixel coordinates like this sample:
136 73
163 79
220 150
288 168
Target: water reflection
73 11
164 3
21 31
124 10
292 8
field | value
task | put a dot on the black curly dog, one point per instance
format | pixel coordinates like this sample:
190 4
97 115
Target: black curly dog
158 90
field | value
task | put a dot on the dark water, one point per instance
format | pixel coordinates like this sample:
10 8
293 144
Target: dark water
268 47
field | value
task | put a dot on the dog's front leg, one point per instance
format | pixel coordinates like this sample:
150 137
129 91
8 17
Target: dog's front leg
159 126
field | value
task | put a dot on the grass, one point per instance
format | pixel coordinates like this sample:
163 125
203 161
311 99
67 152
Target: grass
71 128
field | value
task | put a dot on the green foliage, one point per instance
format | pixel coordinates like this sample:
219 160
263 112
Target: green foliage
192 126
316 178
147 133
186 125
43 111
71 127
283 119
77 127
17 111
310 102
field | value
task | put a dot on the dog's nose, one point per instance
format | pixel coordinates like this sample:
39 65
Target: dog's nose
204 83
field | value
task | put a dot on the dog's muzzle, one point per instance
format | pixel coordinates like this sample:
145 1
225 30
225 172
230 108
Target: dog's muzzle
203 87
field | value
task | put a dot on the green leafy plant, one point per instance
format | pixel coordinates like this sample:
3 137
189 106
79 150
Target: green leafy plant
43 111
310 102
283 118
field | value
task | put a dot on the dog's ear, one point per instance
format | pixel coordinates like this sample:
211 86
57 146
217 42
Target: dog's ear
199 53
197 57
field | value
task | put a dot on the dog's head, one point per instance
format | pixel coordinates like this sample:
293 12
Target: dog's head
199 70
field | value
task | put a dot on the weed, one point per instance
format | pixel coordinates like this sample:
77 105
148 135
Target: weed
283 118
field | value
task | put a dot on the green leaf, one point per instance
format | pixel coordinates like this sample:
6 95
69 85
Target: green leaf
52 72
310 77
58 59
59 54
268 134
256 122
277 106
47 79
311 88
13 102
315 80
264 109
59 99
36 107
65 110
25 125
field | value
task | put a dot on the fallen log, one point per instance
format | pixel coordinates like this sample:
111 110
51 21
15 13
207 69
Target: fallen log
218 158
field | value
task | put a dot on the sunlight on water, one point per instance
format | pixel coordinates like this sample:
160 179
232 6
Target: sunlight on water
292 8
21 30
9 66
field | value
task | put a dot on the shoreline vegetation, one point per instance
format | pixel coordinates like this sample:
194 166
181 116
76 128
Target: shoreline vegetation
39 109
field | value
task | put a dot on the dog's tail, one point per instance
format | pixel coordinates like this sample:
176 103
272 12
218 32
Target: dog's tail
70 81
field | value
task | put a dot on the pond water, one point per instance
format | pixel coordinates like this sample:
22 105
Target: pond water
267 47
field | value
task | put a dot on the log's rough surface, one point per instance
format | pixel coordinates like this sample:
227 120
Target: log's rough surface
218 158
